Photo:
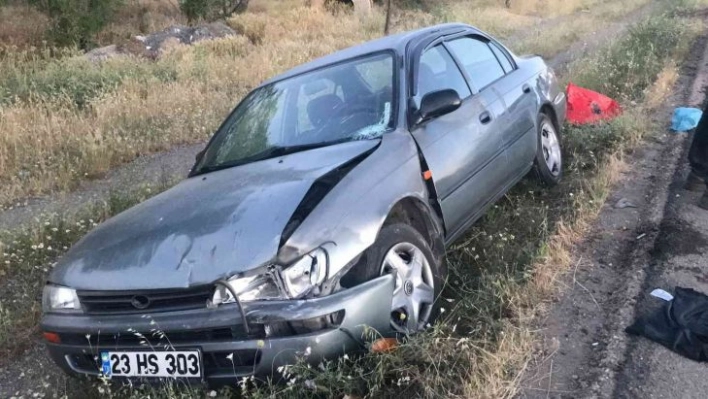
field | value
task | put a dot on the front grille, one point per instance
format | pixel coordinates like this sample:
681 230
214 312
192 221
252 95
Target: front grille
238 362
160 339
109 302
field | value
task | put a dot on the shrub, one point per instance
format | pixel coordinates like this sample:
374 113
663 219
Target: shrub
77 21
211 9
631 65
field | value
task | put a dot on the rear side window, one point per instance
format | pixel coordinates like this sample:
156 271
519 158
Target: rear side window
478 60
438 71
502 57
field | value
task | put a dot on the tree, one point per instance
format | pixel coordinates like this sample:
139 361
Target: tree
388 17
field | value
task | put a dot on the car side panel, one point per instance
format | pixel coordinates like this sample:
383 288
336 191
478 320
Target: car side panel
519 135
545 84
545 90
354 211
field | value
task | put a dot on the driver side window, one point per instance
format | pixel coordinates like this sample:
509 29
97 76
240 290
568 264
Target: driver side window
438 71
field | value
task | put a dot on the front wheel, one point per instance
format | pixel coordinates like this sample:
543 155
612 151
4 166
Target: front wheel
400 249
548 165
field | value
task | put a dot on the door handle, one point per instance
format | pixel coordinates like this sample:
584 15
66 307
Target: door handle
485 117
526 88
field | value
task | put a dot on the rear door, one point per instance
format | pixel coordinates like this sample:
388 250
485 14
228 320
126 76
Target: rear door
463 149
489 67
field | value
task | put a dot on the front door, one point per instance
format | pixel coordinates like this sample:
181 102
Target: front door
463 149
488 67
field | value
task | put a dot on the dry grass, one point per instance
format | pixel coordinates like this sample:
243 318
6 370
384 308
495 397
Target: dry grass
548 39
22 26
551 8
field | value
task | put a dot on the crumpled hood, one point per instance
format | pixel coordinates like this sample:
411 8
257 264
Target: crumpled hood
205 228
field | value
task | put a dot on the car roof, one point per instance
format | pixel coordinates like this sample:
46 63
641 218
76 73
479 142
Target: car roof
396 42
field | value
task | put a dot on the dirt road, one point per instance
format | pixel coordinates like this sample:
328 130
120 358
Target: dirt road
659 244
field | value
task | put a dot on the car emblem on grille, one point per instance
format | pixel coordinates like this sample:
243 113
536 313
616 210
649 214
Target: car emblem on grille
140 302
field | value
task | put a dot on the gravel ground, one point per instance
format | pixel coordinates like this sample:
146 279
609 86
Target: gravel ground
154 169
630 251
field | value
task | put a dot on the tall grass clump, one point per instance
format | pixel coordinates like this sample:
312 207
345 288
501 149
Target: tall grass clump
28 76
627 67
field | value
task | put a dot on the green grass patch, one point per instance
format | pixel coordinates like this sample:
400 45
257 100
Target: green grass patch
629 66
33 75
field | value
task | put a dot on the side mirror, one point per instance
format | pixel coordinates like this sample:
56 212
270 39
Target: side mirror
438 103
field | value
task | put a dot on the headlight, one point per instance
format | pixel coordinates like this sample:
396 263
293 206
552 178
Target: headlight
306 273
58 298
298 280
248 289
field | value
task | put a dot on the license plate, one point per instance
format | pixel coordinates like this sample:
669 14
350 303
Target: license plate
176 364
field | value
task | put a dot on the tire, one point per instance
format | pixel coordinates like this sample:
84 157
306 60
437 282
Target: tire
548 165
398 242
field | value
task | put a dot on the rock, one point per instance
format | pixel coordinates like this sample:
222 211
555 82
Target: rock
624 203
152 45
102 53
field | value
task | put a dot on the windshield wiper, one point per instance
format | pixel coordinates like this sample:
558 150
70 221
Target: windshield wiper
272 152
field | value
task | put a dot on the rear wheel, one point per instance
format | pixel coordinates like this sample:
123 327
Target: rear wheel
401 250
548 165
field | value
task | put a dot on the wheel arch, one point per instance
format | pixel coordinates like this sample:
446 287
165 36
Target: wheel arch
412 211
420 216
548 110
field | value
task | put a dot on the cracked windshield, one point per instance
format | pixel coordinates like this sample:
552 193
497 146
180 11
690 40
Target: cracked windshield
349 101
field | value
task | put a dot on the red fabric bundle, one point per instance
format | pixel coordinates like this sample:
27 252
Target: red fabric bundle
586 106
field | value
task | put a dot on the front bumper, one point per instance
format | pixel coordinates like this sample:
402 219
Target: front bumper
219 332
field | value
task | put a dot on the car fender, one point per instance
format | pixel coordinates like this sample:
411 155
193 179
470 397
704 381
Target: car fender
546 86
347 221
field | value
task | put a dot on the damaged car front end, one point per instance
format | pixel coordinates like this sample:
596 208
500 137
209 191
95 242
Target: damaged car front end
222 276
274 333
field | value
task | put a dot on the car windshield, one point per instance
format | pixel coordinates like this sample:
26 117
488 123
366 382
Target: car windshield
344 102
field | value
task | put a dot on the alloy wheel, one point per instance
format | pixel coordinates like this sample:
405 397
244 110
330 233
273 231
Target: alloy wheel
551 148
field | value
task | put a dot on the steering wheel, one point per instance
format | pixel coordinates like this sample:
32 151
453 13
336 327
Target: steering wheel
350 119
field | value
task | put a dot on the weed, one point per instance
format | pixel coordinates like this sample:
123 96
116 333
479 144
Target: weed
27 256
631 65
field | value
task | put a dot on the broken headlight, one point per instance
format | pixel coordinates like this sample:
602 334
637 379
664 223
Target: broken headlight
58 298
296 280
305 274
255 288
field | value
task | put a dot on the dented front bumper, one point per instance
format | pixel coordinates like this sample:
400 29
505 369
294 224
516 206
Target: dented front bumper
219 332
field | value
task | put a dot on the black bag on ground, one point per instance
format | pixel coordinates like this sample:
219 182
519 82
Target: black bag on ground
680 325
